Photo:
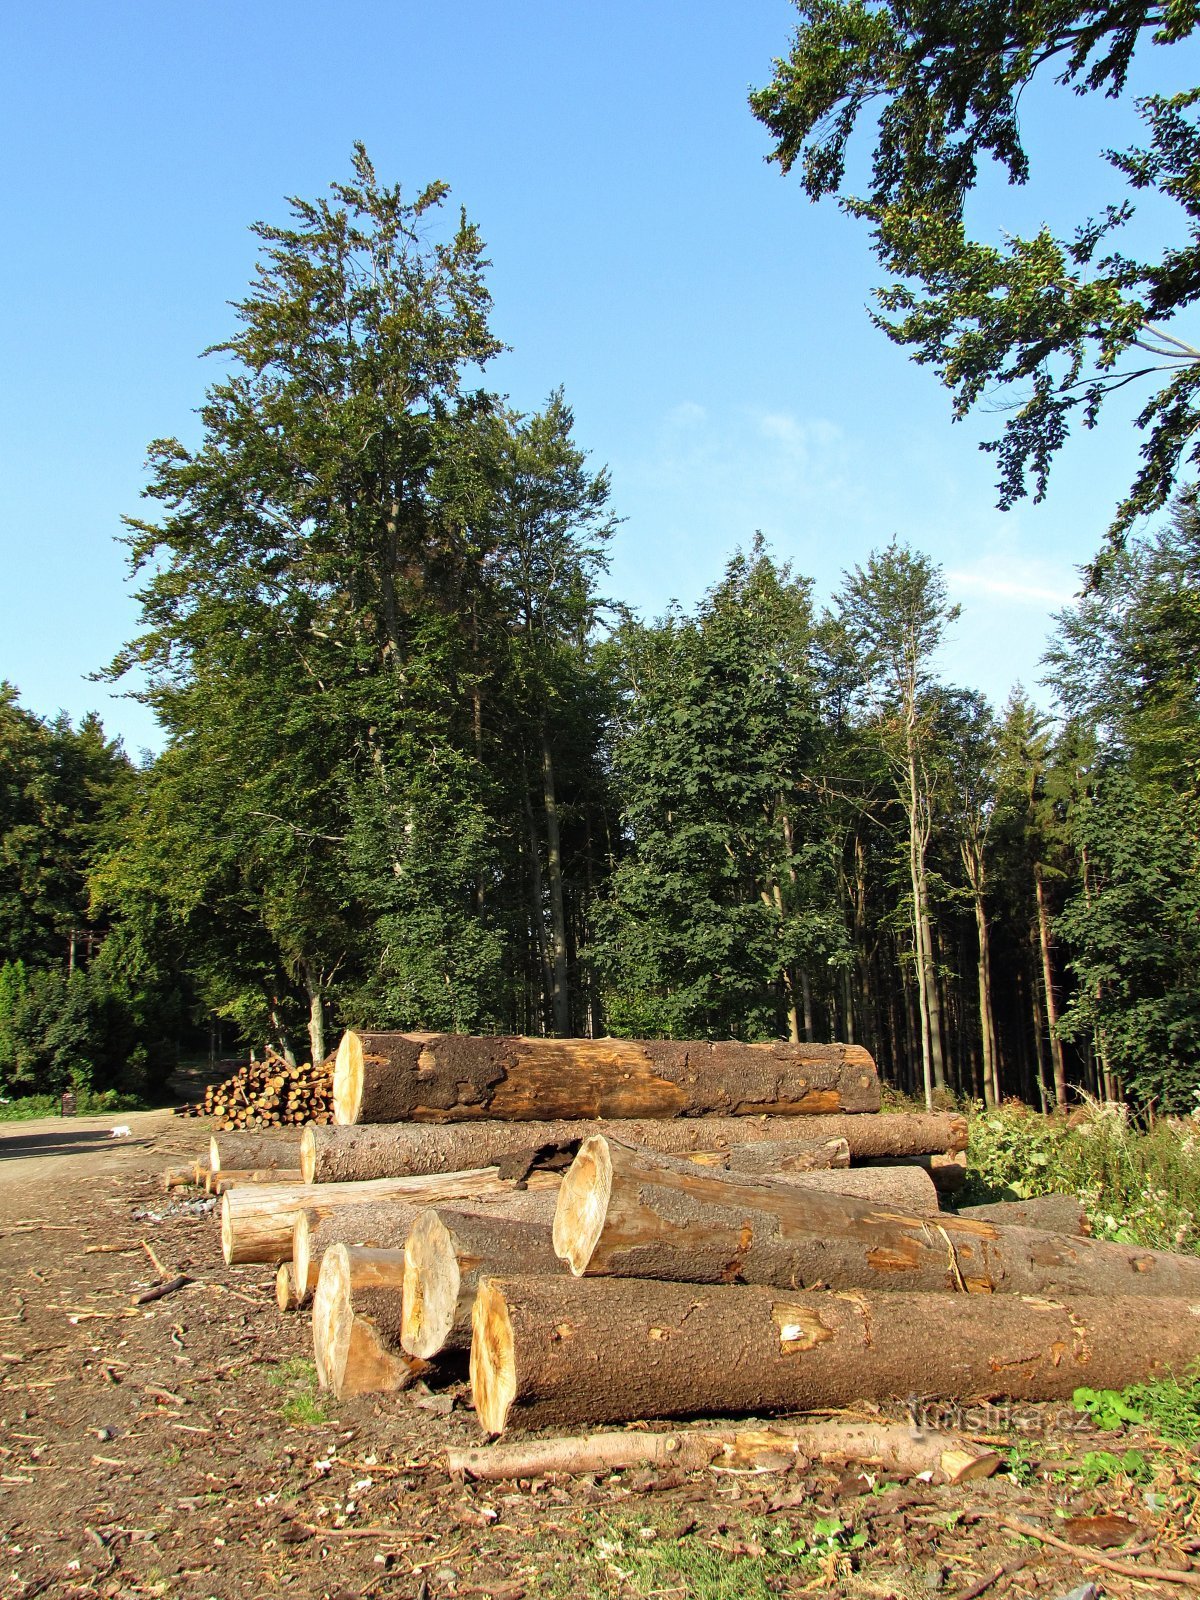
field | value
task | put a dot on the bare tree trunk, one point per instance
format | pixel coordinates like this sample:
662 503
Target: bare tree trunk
806 996
558 921
537 895
1056 1049
1039 1044
316 1014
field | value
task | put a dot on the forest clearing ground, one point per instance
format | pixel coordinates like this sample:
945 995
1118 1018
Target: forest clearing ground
180 1449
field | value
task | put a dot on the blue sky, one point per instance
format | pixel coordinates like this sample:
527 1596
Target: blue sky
708 325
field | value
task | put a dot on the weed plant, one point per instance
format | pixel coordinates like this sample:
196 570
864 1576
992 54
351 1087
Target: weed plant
1140 1185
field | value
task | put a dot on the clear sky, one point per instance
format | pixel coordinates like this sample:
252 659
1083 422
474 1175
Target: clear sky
708 325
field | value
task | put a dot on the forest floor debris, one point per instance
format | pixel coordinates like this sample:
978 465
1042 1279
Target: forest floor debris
181 1449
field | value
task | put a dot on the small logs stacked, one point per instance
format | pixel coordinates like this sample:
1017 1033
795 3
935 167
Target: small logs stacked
268 1094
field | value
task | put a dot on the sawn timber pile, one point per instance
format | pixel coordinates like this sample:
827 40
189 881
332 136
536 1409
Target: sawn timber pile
699 1256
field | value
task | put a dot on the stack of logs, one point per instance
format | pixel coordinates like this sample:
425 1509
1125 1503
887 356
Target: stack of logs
272 1093
620 1229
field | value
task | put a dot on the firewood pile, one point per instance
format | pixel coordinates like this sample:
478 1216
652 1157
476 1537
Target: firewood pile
272 1093
616 1231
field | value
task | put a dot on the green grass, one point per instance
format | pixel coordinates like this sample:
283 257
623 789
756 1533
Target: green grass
1141 1186
303 1406
87 1104
751 1561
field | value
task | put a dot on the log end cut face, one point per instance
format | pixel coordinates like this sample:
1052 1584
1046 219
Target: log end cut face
583 1204
493 1357
348 1080
432 1279
331 1317
226 1230
308 1156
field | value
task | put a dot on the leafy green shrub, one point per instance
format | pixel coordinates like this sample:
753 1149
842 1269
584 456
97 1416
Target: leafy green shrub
1141 1186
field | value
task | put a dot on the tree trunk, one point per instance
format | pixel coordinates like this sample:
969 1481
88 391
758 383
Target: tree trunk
385 1224
987 1018
356 1344
633 1213
558 918
895 1448
445 1255
316 1015
257 1220
1056 1213
1039 1043
398 1077
1056 1049
806 998
287 1295
253 1151
538 895
399 1149
563 1351
916 871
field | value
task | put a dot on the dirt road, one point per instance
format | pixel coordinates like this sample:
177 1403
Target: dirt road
180 1449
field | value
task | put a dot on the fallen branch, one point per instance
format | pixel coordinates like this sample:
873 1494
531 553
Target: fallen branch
1125 1569
894 1447
161 1290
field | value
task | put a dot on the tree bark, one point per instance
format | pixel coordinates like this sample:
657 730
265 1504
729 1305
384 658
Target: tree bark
394 1077
445 1255
355 1320
257 1219
562 1351
893 1447
397 1149
253 1151
633 1213
1056 1049
561 997
1056 1213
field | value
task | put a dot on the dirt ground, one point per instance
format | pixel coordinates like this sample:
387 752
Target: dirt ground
179 1449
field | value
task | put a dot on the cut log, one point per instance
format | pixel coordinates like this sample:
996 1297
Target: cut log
946 1168
174 1179
1057 1213
569 1351
431 1077
249 1152
257 1219
356 1316
385 1224
445 1255
287 1296
231 1177
890 1447
772 1157
634 1213
908 1188
395 1150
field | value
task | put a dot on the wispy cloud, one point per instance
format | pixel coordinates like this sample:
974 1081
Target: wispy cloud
1025 583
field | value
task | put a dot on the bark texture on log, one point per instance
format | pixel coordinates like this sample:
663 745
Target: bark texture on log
1057 1213
231 1177
893 1447
356 1323
257 1220
637 1214
410 1077
580 1351
947 1168
398 1149
772 1157
252 1151
446 1253
906 1188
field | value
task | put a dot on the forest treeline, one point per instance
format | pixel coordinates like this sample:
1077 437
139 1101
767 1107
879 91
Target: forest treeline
419 773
